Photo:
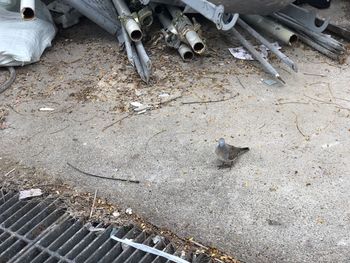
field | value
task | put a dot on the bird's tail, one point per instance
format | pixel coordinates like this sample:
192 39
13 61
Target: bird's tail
244 149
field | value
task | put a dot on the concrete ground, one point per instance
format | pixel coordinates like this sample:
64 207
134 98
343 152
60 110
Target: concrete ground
287 200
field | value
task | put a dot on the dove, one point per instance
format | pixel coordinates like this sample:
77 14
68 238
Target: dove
228 153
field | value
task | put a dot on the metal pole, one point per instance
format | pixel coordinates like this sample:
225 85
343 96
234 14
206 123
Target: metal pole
259 37
256 55
131 26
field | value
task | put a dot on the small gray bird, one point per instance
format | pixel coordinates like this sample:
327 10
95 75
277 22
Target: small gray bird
228 153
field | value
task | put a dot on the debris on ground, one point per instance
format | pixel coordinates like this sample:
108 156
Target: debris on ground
133 23
78 205
128 211
24 194
3 114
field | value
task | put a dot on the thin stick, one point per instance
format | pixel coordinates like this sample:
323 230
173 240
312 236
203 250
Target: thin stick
12 108
322 101
292 102
93 204
240 82
8 173
313 74
118 121
198 244
298 128
209 101
337 98
103 177
170 100
62 129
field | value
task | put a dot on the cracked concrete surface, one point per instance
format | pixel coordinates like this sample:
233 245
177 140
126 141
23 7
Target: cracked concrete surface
287 200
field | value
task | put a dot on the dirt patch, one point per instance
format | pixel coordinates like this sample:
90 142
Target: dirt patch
3 114
84 205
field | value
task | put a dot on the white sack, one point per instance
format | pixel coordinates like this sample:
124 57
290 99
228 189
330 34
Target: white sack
23 42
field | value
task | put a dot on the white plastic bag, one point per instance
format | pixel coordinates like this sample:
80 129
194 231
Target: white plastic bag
23 42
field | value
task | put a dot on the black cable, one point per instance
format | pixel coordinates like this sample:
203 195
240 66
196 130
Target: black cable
103 177
8 82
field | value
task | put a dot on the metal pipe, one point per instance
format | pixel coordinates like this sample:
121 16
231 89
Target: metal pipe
27 9
111 26
319 48
277 31
145 17
185 52
195 41
259 37
256 55
131 26
320 38
171 38
186 29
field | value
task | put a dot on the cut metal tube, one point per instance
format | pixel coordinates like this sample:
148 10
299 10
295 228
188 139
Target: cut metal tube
276 30
131 26
172 39
322 39
186 29
195 41
273 49
27 9
267 66
185 52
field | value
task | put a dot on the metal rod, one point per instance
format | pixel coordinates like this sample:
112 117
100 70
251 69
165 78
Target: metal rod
111 26
257 56
276 30
131 26
270 46
318 47
328 42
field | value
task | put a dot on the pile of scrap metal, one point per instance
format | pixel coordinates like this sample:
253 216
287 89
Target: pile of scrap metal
130 20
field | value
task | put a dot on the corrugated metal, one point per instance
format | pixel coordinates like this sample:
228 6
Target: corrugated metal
38 231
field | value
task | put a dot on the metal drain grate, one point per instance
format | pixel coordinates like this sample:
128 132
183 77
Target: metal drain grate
38 231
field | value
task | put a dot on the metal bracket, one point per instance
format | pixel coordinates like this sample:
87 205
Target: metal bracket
305 18
215 13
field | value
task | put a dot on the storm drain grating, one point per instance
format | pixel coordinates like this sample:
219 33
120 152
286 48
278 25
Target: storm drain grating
39 231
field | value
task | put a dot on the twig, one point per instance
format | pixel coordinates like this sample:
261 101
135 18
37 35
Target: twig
337 98
292 102
152 137
209 101
8 173
240 82
170 100
198 244
313 74
103 177
330 91
298 128
118 121
93 204
262 126
12 108
322 101
59 130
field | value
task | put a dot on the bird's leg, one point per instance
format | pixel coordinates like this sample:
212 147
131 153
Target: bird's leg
224 165
232 164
